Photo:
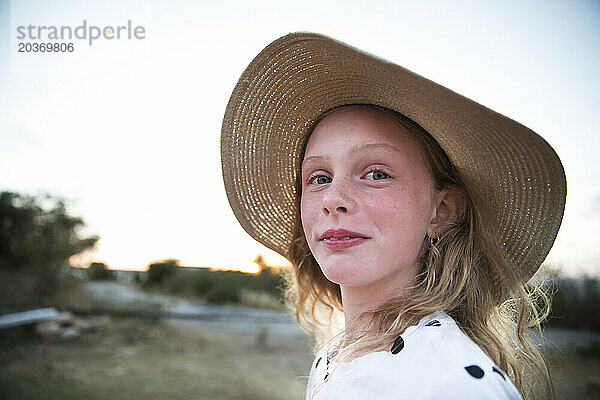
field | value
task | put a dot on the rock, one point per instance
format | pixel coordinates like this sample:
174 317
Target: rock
84 324
70 332
90 324
64 317
49 329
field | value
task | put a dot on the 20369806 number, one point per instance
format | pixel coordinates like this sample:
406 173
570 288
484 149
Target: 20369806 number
45 47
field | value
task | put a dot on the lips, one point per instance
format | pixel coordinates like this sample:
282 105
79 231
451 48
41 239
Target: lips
341 234
339 239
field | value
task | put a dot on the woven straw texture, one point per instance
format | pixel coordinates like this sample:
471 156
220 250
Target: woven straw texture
517 176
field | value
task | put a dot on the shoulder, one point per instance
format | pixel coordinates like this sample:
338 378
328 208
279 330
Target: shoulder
472 382
439 359
429 361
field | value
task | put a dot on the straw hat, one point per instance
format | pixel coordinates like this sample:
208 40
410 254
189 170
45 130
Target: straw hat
517 176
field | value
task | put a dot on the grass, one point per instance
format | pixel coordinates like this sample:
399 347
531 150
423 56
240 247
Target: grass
134 359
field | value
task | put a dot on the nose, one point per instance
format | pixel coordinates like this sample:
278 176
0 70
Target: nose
338 199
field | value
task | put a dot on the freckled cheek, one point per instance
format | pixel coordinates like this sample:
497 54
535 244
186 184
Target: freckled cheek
308 209
398 211
389 207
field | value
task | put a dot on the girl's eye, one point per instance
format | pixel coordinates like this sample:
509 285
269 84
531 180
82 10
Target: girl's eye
377 175
320 179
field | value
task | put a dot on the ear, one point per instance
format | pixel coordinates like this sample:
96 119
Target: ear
450 203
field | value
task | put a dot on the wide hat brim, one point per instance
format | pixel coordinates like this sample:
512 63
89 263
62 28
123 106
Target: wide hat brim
515 174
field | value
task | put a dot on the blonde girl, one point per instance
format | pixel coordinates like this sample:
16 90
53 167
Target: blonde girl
414 211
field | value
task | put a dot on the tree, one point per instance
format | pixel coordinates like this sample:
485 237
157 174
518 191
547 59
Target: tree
159 271
99 271
37 236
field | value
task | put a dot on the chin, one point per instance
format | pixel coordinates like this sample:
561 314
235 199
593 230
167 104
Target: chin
346 274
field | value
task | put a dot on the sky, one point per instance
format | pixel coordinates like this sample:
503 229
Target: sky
127 130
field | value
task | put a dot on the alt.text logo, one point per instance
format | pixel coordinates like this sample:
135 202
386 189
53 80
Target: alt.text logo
90 33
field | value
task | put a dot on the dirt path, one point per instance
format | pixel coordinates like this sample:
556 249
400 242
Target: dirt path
219 317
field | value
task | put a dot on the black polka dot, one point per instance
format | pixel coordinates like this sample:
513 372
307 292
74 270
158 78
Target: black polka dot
318 361
499 372
326 375
475 371
398 345
435 322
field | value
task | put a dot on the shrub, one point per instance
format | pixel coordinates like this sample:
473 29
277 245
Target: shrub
223 294
99 271
37 238
229 286
202 282
159 271
263 290
575 304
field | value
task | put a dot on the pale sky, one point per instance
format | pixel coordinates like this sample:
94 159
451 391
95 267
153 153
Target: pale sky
128 130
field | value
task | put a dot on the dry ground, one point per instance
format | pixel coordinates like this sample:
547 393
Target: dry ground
137 359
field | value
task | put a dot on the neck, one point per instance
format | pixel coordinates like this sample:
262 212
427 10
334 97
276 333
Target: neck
360 299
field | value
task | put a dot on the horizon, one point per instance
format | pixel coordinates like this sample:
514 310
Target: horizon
252 268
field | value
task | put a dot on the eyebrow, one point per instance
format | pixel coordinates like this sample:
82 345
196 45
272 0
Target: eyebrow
369 146
372 146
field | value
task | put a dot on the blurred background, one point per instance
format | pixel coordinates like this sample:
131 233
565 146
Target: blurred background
123 272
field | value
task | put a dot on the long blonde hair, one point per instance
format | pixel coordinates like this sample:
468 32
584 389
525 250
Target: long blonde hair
464 272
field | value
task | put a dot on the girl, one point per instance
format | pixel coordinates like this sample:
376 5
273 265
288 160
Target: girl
416 212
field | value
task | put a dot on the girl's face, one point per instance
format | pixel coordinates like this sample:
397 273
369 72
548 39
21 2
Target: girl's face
368 199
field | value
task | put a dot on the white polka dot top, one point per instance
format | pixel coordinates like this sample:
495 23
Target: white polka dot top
432 360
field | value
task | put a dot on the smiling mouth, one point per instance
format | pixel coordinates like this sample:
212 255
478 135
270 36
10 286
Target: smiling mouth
340 239
341 234
342 243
